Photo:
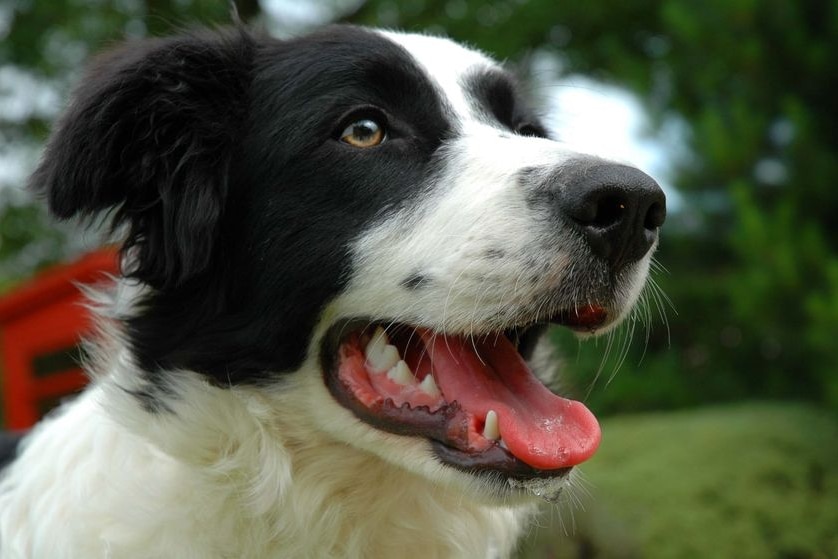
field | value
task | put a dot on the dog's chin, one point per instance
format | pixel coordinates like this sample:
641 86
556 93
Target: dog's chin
464 410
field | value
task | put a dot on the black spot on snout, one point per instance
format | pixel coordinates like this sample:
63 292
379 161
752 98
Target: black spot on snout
416 281
494 254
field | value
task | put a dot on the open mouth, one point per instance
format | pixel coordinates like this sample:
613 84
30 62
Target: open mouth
475 397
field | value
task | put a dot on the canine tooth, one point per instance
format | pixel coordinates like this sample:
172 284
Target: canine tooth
379 338
381 356
377 341
429 387
401 374
490 428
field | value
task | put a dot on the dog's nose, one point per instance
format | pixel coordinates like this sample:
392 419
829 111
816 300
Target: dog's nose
617 208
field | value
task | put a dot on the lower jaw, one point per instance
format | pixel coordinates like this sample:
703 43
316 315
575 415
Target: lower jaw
495 461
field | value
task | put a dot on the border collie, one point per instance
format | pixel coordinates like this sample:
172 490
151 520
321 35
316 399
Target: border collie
339 255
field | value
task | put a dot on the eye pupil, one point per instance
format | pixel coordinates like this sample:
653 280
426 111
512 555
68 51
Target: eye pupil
363 133
364 129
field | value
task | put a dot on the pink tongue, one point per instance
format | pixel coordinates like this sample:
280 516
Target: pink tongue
539 428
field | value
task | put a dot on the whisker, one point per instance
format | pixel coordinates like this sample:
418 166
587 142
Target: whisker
609 341
624 350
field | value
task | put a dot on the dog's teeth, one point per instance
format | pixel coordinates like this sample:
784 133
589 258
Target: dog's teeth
381 356
377 341
490 428
379 338
401 374
429 387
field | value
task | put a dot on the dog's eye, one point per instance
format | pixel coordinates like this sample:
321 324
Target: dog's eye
364 133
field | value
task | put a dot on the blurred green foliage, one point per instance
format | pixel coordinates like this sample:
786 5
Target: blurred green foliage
751 253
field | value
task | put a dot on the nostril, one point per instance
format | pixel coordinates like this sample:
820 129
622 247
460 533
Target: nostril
655 216
609 211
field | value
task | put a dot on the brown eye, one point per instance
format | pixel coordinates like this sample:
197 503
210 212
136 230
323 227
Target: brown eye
363 133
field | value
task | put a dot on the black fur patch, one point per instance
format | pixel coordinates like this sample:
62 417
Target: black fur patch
221 154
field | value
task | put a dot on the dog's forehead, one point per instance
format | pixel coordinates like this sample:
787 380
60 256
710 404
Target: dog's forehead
449 65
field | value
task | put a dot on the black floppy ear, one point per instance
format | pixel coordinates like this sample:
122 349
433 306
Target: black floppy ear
148 138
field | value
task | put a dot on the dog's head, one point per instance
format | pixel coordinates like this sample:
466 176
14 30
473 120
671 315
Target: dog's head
377 221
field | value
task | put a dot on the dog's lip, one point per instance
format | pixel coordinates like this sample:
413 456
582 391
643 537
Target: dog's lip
446 424
494 460
588 317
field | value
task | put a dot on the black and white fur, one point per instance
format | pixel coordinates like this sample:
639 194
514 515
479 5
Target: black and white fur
249 230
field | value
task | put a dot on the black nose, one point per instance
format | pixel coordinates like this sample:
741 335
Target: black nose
618 209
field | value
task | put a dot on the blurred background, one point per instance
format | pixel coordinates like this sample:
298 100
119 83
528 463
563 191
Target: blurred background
719 399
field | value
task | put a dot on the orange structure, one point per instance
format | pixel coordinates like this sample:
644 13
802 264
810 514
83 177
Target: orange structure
41 323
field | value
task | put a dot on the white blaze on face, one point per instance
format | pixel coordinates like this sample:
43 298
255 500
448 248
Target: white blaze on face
447 64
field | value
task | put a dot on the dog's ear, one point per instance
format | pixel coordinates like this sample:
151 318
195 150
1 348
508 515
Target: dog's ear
148 139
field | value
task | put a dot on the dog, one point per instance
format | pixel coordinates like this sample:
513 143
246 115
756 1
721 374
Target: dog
340 254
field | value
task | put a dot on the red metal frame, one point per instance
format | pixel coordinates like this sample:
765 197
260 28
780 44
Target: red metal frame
43 316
